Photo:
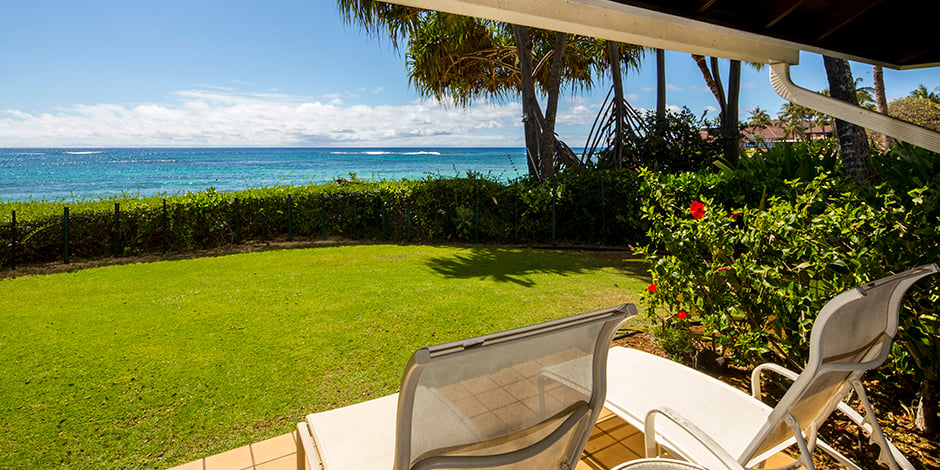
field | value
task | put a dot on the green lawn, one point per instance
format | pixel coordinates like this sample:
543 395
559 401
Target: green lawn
153 365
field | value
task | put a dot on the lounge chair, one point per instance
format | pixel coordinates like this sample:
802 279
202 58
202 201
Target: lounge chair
853 333
486 402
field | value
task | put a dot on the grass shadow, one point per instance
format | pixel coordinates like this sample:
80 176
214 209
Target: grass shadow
518 265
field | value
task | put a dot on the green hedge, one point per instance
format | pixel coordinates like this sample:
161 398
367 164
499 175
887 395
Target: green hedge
587 206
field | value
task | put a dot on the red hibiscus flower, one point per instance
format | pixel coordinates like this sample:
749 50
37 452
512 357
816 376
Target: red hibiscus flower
682 315
723 268
735 215
651 287
697 209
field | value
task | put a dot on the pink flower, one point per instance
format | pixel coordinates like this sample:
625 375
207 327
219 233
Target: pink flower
723 268
682 315
651 287
697 209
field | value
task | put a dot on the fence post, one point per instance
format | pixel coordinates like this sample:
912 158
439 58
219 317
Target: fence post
476 217
115 231
553 212
290 218
323 216
264 225
203 213
238 222
13 242
603 212
166 228
65 235
408 221
355 217
384 222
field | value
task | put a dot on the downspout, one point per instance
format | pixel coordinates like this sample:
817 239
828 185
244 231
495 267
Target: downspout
901 130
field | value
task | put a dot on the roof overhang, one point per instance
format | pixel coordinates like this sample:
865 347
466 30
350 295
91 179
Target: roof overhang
623 23
898 34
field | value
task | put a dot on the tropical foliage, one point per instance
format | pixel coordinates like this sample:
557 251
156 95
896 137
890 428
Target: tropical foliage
918 110
463 59
754 251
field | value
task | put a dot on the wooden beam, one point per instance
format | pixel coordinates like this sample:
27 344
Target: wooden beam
780 10
842 21
702 5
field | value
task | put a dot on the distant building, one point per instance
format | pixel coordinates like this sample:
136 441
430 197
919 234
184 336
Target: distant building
757 137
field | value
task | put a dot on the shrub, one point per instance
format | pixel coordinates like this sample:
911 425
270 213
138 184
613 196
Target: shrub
673 143
757 274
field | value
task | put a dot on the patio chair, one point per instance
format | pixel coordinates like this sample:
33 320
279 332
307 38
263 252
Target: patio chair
481 403
853 333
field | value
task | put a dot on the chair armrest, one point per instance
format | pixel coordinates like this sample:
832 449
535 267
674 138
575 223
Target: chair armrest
756 374
650 437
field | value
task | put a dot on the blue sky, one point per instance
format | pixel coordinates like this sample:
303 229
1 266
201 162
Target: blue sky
282 73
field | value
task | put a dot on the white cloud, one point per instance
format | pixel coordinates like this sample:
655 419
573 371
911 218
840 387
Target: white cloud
671 87
213 117
711 109
576 115
631 97
751 85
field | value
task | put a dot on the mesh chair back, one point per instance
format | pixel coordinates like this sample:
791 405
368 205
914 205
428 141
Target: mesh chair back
853 333
525 398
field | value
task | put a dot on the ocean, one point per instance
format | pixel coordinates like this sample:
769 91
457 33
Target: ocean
56 174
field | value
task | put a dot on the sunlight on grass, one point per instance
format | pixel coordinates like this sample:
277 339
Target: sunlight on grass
153 365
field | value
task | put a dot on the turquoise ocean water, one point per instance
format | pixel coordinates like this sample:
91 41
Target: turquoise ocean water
92 173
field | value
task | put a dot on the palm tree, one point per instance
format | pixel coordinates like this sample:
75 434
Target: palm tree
922 92
881 100
462 59
759 119
660 83
728 105
792 118
853 141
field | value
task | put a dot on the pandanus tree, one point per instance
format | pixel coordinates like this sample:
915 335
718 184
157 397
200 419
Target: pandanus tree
616 118
463 59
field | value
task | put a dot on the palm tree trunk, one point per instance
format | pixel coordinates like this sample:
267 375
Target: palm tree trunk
710 80
852 138
547 146
729 122
660 83
613 49
728 105
529 100
881 101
